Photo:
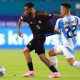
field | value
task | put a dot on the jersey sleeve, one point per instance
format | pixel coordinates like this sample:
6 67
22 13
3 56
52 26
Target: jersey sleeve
78 21
57 26
50 16
22 18
46 15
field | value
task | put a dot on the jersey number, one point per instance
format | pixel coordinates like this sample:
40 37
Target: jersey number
68 29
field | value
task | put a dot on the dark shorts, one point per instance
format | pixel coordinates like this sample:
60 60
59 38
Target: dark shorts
37 44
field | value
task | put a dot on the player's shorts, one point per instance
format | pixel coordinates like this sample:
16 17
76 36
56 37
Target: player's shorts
66 51
37 44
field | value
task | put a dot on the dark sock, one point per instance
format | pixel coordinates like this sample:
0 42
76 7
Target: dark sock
53 69
30 66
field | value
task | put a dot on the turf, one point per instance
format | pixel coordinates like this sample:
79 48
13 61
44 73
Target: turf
14 62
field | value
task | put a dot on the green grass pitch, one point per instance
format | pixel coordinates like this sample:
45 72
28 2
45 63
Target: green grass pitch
14 62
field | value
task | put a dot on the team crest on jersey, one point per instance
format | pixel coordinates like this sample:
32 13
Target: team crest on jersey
39 22
38 27
31 23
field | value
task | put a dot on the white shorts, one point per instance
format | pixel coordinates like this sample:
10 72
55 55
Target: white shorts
67 51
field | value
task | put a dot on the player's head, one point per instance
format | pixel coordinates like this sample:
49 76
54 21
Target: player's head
65 8
29 8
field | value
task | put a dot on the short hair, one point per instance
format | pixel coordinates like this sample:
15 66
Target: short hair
66 5
29 5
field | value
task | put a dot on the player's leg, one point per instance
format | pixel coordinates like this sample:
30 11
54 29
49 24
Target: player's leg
53 58
53 55
28 58
69 53
41 52
55 73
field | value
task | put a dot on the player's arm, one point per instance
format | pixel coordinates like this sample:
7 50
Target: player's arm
19 26
54 15
57 26
79 22
48 16
22 19
41 13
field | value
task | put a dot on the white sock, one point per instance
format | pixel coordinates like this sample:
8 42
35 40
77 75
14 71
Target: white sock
54 61
76 64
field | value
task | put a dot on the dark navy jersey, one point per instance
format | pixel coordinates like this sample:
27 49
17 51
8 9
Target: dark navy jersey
40 24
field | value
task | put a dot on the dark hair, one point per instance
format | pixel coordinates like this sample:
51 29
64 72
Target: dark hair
29 5
66 5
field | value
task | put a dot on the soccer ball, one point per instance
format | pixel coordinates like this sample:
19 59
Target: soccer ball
2 70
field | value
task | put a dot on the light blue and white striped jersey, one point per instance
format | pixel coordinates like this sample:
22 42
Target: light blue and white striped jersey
67 26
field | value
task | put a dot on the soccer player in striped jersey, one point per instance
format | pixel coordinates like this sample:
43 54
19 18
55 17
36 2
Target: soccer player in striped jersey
67 27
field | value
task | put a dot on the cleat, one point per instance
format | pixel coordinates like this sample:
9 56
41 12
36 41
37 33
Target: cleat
29 74
54 75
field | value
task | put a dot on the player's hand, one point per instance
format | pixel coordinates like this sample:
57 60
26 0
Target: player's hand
20 34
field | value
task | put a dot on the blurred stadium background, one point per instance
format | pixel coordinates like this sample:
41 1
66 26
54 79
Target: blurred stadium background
11 10
10 43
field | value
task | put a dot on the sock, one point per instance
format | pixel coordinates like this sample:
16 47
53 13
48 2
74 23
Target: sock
52 68
54 61
76 64
30 66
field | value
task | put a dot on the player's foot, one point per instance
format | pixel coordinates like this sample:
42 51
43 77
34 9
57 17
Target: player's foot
54 75
29 73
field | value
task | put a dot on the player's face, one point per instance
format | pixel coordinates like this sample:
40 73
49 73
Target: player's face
25 10
32 10
29 10
63 10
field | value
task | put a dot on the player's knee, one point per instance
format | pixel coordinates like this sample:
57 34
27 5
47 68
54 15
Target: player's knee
26 50
42 57
52 52
70 61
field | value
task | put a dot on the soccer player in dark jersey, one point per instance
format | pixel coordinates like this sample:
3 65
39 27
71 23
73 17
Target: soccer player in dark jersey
40 26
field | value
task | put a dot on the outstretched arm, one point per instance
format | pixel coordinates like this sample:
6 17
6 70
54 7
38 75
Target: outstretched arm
54 15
